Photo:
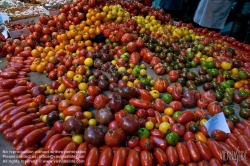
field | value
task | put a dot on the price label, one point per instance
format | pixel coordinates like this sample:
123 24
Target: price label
217 122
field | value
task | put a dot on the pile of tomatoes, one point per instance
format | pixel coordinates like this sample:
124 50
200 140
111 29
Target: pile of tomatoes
105 106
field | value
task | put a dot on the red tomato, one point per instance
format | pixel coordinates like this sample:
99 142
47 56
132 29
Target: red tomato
216 149
160 156
132 142
120 157
205 152
81 153
106 157
173 75
172 155
176 105
193 151
146 158
133 158
146 144
219 135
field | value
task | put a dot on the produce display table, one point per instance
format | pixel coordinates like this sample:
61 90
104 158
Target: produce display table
106 84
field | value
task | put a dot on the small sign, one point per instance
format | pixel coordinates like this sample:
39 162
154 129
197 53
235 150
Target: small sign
217 122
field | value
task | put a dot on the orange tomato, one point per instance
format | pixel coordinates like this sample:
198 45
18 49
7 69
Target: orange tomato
69 93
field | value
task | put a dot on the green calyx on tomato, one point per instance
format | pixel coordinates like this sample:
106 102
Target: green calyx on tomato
176 115
167 98
172 138
143 133
242 75
129 108
125 56
243 93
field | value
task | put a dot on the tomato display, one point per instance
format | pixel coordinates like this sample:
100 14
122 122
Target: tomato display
105 106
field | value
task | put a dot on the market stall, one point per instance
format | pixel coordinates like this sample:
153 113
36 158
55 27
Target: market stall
92 82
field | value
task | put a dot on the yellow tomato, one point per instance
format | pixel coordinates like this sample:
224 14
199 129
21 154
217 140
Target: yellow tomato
238 84
143 72
202 121
226 66
164 127
78 78
83 86
77 139
200 137
88 62
70 74
61 115
155 94
169 111
87 114
92 122
62 88
44 118
149 125
130 84
235 71
68 117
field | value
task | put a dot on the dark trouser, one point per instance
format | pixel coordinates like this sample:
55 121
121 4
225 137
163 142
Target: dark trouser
175 14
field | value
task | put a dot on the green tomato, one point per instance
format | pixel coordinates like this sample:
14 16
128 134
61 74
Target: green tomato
193 64
129 108
242 75
172 138
226 73
167 98
176 115
228 110
230 82
124 48
203 63
143 133
214 72
210 64
125 56
243 93
144 81
190 55
91 77
115 44
230 90
196 42
225 84
200 47
107 41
